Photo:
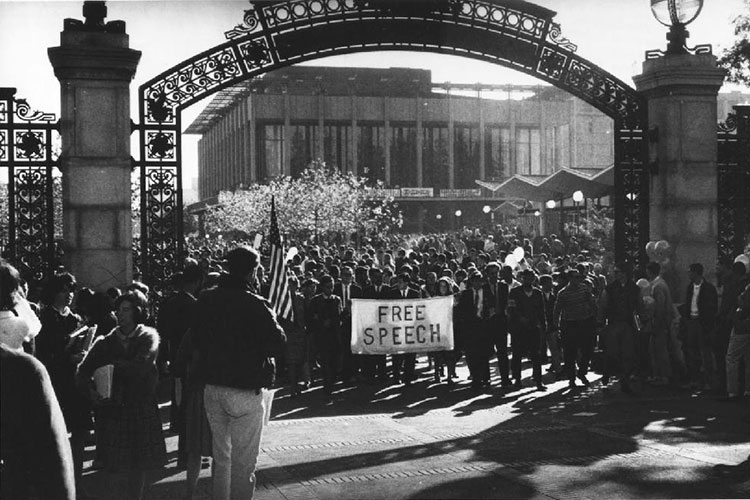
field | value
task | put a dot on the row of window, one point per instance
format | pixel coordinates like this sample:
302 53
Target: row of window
337 150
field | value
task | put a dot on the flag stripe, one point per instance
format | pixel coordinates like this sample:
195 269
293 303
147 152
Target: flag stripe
279 296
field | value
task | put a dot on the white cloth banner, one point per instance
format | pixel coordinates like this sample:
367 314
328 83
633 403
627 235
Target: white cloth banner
402 325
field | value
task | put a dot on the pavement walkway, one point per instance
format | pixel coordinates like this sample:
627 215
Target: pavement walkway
431 441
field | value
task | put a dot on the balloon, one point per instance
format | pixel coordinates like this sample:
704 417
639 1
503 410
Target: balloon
650 248
519 253
745 260
662 246
511 260
291 253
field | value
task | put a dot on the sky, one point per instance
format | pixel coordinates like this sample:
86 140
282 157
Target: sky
614 34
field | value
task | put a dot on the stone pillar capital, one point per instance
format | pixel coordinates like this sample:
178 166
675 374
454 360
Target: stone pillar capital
99 61
681 74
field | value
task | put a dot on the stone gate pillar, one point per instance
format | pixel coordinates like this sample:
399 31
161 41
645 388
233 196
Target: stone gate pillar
681 92
95 67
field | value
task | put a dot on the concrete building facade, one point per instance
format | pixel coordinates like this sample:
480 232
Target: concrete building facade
429 142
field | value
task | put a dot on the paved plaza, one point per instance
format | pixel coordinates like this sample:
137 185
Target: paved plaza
387 442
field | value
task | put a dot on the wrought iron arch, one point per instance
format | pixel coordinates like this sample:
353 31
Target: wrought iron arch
518 35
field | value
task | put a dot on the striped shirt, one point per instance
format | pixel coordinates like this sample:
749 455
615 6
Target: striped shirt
575 303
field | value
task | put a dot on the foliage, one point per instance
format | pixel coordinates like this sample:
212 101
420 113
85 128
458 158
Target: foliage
320 202
736 59
596 233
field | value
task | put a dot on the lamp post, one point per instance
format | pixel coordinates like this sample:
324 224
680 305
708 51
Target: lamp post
676 14
488 212
551 204
458 219
439 218
577 199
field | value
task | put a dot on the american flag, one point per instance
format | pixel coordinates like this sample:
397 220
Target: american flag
281 299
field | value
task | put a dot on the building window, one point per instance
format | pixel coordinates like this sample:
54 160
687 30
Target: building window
551 160
497 152
302 148
270 144
466 156
562 145
337 147
435 160
403 156
528 151
371 152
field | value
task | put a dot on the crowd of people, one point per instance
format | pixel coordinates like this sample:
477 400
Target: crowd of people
219 345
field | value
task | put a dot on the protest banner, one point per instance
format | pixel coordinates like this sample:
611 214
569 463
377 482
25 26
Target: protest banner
402 325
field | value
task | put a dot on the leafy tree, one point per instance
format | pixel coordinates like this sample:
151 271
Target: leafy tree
736 59
321 202
596 233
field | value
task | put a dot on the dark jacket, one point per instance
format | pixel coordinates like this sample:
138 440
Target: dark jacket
135 377
411 293
34 445
369 292
474 334
708 305
526 311
621 302
175 318
236 333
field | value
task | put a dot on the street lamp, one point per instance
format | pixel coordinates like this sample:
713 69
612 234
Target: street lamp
458 218
676 14
439 218
577 199
487 211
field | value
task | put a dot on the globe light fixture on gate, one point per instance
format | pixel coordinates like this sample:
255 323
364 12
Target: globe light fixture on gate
550 204
676 14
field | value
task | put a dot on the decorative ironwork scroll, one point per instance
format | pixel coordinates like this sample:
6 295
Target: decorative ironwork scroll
26 151
518 35
733 184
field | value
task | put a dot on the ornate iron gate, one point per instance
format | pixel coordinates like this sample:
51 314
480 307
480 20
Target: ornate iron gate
518 35
733 194
26 151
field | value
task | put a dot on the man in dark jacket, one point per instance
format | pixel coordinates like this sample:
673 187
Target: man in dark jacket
699 316
325 324
527 321
236 334
403 364
475 306
347 290
375 365
619 304
498 322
